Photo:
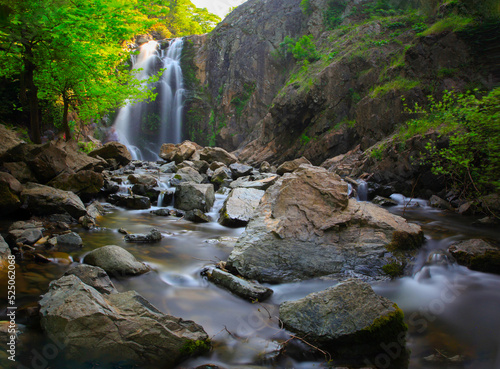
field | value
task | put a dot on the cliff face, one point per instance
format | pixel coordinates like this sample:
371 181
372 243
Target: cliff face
249 95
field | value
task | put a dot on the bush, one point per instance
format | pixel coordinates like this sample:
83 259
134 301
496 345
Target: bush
332 15
303 49
471 160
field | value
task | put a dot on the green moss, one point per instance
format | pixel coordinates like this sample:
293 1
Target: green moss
404 241
198 347
452 23
178 176
393 269
489 262
241 100
386 328
398 84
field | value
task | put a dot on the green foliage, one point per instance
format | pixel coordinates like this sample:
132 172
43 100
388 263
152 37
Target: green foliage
241 100
303 49
471 160
87 147
380 42
333 13
377 153
394 269
304 139
192 347
419 27
305 5
452 23
398 84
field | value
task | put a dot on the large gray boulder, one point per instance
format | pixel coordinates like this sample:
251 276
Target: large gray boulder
348 314
306 227
132 202
292 165
262 182
45 200
190 196
85 182
116 261
113 151
153 236
93 276
179 152
27 233
120 327
69 241
239 207
211 154
186 174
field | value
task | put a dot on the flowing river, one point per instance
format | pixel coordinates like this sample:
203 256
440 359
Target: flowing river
449 309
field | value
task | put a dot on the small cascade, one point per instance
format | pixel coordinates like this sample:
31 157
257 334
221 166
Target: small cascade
143 127
362 191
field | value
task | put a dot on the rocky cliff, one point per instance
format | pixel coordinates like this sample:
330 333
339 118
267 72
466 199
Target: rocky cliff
248 94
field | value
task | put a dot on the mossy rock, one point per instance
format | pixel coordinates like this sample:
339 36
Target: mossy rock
404 241
477 255
196 347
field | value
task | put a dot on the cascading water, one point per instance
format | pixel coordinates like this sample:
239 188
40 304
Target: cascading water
143 127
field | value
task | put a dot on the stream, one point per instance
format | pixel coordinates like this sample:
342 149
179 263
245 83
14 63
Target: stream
449 309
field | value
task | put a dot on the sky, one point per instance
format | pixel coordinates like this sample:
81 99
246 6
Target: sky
219 7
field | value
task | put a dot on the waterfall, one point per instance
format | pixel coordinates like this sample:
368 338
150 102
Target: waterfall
144 127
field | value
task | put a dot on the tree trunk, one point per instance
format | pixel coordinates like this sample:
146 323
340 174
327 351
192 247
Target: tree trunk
67 131
32 95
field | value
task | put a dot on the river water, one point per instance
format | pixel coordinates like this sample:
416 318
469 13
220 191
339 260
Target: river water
449 309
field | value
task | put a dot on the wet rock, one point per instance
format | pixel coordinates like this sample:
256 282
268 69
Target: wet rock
258 184
143 179
47 162
240 170
121 327
384 201
132 202
116 261
348 316
477 255
178 153
86 182
95 210
44 200
221 175
69 241
291 166
201 166
211 154
437 202
4 252
113 152
150 192
265 167
169 167
161 212
186 174
306 227
153 236
239 207
216 165
245 289
93 276
10 190
21 171
28 232
190 196
8 139
197 216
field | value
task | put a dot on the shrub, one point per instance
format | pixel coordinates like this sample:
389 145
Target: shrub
302 49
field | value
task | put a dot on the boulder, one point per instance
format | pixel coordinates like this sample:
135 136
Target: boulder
85 182
120 327
143 179
69 241
179 152
190 196
113 151
44 200
291 166
384 201
10 190
76 160
477 255
94 277
240 170
169 167
201 166
239 207
221 175
437 202
151 193
215 165
211 154
197 216
347 317
27 233
132 202
116 261
4 253
258 184
8 139
307 227
21 171
153 236
265 167
47 162
240 287
186 174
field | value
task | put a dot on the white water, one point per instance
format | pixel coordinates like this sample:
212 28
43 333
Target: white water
144 127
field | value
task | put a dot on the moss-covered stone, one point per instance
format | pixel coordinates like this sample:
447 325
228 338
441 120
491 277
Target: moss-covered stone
394 269
404 241
196 347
